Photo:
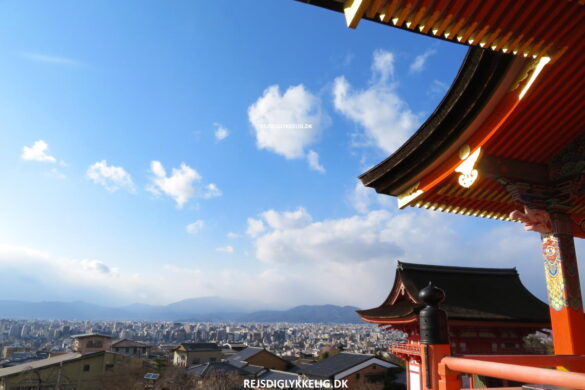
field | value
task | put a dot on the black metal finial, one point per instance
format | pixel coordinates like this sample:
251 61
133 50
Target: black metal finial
431 295
432 319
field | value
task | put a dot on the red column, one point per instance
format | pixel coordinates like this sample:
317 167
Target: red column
563 287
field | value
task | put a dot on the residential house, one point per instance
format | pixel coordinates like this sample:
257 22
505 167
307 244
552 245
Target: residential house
70 371
131 348
188 354
260 357
91 342
358 369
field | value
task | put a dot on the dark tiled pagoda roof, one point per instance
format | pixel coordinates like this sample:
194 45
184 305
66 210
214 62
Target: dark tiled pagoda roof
472 294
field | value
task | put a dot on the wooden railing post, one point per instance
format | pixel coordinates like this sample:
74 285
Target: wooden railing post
434 335
448 380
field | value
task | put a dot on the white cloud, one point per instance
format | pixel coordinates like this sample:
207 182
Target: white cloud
99 267
221 132
313 159
344 240
50 59
180 185
420 61
255 227
383 66
111 177
37 152
232 235
438 88
211 191
287 219
195 227
48 274
386 119
54 172
311 274
287 124
361 198
226 249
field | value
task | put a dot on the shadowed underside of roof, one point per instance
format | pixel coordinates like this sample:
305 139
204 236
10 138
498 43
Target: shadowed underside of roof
517 101
524 27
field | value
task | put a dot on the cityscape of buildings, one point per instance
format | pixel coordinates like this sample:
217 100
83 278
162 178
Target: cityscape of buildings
26 339
77 355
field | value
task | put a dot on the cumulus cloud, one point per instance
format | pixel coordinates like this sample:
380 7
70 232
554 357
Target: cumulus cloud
180 184
288 123
226 249
385 117
98 266
344 240
47 275
363 199
221 132
195 227
255 227
37 152
287 219
314 164
420 61
311 274
211 191
111 177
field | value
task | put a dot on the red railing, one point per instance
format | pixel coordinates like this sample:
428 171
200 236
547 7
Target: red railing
405 349
521 368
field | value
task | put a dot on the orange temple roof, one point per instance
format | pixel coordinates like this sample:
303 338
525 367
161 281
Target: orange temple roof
513 118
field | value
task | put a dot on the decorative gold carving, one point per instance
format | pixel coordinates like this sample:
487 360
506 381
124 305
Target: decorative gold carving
467 168
409 195
464 152
531 72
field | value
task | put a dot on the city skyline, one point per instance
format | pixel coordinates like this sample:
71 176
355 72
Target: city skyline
161 153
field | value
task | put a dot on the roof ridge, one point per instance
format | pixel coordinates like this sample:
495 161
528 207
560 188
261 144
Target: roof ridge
450 268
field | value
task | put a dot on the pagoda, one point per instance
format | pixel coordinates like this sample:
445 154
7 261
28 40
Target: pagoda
507 142
489 311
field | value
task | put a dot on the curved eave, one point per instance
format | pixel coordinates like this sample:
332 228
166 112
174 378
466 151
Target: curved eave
482 73
412 319
524 27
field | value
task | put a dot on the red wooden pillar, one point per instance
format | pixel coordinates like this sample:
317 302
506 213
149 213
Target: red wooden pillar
563 287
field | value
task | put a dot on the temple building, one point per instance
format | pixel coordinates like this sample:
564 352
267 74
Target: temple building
489 312
507 142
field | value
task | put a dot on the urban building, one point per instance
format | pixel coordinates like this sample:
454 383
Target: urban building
357 369
131 348
188 354
260 357
91 342
70 371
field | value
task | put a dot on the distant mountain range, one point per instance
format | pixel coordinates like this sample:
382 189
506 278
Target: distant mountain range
197 309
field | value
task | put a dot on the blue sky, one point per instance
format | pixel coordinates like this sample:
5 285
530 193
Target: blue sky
182 149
